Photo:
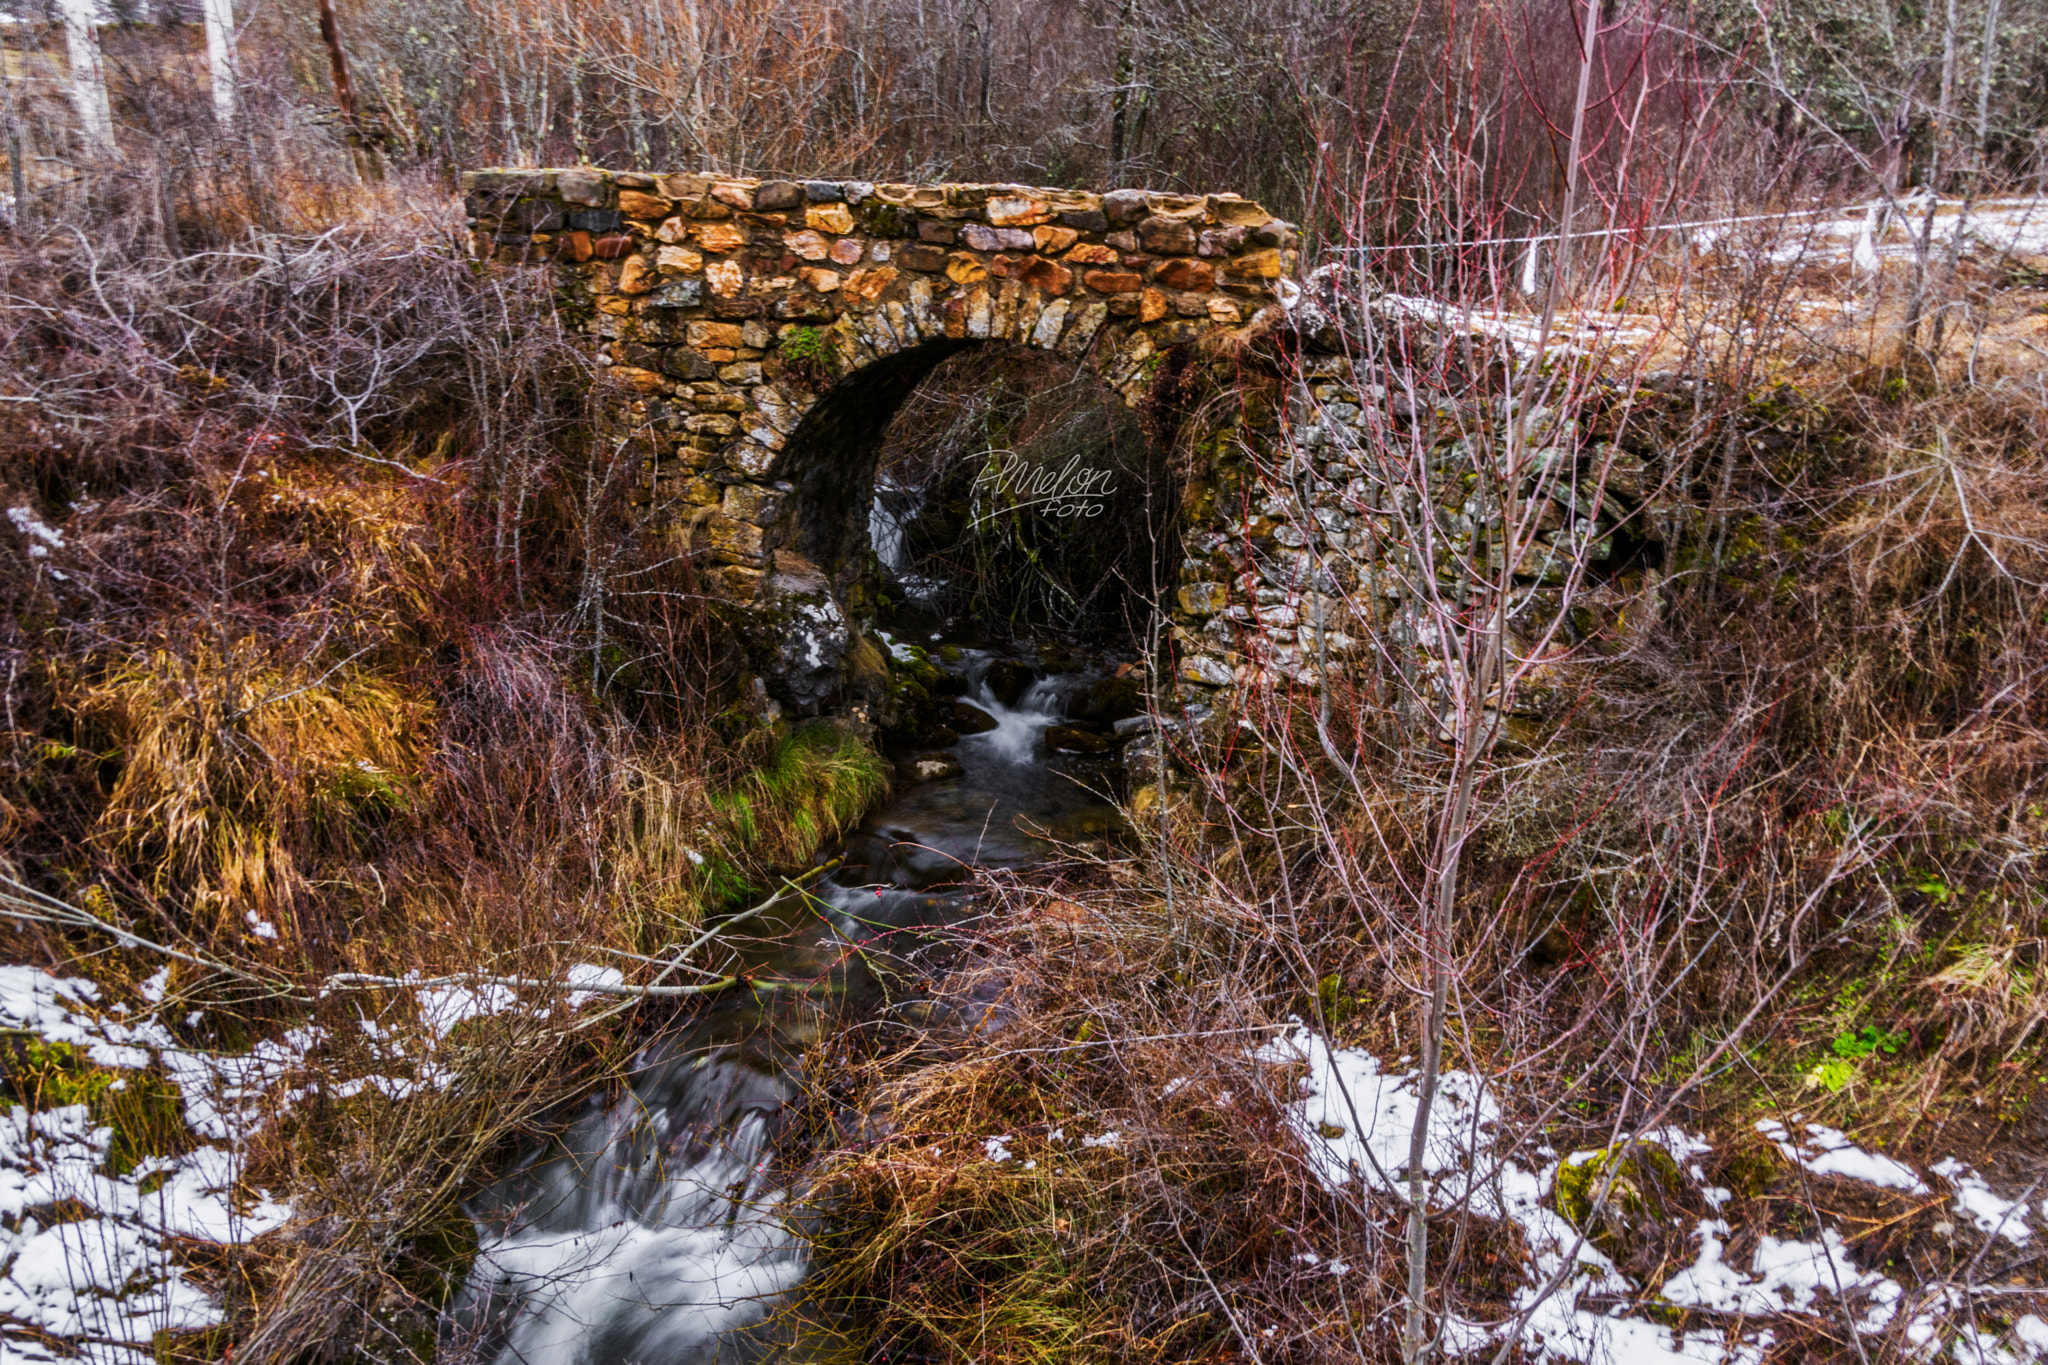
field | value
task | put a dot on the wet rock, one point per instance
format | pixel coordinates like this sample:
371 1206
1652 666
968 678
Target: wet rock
941 737
1008 680
1077 739
1109 699
970 719
811 656
1054 657
933 767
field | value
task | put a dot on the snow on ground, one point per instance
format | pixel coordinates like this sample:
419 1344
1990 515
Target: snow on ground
2006 1218
1868 238
88 1246
1829 1152
1870 235
1354 1121
85 1249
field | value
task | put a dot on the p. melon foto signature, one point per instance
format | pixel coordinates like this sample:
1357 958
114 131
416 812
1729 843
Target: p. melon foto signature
1012 483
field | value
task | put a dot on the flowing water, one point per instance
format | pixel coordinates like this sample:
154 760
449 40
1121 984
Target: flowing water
658 1229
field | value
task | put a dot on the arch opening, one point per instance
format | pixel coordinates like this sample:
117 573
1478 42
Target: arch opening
989 489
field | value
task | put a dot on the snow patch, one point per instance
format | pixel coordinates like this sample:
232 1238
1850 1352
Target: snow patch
1828 1151
2006 1218
1353 1121
583 976
85 1249
88 1247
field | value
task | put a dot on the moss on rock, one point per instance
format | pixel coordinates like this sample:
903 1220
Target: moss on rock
1614 1195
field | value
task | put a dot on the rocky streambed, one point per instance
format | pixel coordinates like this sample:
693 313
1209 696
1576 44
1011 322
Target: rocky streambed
660 1226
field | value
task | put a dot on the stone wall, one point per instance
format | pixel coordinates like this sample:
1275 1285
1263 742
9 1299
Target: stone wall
757 337
759 334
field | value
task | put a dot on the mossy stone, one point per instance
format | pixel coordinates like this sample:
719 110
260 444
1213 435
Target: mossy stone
1641 1181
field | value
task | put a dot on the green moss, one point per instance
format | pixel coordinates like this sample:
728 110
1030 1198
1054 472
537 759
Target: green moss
141 1108
1639 1181
807 355
1333 1003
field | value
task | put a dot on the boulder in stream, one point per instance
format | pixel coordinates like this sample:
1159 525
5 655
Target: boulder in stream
1008 680
970 719
1077 739
1109 699
933 767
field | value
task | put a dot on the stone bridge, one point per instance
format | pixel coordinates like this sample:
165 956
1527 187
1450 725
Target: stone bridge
758 337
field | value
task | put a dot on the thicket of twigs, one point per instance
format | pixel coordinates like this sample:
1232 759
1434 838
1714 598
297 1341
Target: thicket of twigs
352 634
1662 830
1773 782
333 646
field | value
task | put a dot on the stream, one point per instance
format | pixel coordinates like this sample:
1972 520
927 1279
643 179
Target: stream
658 1228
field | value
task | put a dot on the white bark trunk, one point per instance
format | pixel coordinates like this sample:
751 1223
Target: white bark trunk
220 58
88 73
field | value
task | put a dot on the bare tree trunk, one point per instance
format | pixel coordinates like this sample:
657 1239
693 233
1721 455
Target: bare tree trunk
577 140
337 64
88 73
360 150
1123 76
693 59
220 59
1481 669
1944 132
1986 66
17 158
17 146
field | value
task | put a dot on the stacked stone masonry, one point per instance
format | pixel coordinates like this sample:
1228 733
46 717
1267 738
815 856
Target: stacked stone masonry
698 286
729 312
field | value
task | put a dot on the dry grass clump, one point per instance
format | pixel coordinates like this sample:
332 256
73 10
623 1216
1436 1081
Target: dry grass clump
231 770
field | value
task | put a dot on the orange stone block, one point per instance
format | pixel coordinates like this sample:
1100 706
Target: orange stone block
634 204
867 285
1113 281
1053 240
1195 276
1050 276
722 236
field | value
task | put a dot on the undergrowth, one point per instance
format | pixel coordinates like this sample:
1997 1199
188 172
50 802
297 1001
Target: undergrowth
308 670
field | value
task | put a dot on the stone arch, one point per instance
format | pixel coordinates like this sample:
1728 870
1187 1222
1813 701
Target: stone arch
734 316
732 312
740 323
